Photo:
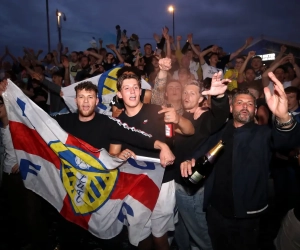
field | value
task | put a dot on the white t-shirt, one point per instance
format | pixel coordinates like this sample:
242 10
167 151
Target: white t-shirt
194 66
209 71
285 85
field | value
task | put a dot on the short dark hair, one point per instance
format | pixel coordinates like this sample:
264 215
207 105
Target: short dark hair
40 66
124 69
87 85
281 67
254 57
249 68
243 92
75 52
58 73
51 54
240 57
124 77
84 56
293 89
212 54
147 44
207 82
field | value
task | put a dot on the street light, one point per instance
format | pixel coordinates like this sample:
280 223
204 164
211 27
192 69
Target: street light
59 15
172 10
48 26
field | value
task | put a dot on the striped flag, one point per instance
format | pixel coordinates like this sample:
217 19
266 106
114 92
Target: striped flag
86 185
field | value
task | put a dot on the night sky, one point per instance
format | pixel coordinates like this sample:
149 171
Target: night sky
223 22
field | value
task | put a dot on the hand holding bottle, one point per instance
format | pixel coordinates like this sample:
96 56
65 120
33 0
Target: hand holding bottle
186 167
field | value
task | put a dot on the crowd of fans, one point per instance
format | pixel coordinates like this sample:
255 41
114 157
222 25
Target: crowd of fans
177 72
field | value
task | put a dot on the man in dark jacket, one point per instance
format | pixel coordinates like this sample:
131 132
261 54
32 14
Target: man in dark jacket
236 192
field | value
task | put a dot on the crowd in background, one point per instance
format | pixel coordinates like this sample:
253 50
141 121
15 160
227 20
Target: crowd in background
174 60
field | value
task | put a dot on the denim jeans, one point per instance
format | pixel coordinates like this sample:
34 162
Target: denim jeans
191 231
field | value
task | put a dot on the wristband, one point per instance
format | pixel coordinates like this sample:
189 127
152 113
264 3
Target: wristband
284 124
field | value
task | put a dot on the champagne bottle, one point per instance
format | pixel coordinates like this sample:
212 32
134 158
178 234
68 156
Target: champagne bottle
169 132
203 165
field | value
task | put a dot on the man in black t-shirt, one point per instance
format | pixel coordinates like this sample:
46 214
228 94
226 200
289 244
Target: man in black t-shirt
192 219
149 119
97 130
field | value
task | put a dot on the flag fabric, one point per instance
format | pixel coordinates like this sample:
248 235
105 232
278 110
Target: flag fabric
87 186
107 89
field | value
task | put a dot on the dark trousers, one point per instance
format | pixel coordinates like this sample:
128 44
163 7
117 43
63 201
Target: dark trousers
25 212
230 233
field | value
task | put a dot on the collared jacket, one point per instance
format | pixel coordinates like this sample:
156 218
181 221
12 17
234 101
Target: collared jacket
252 149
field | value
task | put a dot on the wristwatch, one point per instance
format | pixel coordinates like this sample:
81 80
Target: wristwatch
284 124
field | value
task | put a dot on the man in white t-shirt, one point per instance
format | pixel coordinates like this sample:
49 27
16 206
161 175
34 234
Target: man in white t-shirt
211 69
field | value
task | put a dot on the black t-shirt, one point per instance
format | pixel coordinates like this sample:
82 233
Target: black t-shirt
150 122
223 61
95 132
149 68
99 131
108 66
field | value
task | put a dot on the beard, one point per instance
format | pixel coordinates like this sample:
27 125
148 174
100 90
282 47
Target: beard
86 113
243 118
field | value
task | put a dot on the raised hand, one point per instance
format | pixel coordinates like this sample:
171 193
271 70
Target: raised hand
156 38
218 85
249 40
171 39
190 38
165 30
55 53
165 64
291 58
111 46
251 54
22 62
37 76
166 36
277 102
285 59
65 63
215 49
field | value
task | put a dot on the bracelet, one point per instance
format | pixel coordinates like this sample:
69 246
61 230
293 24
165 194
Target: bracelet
284 124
